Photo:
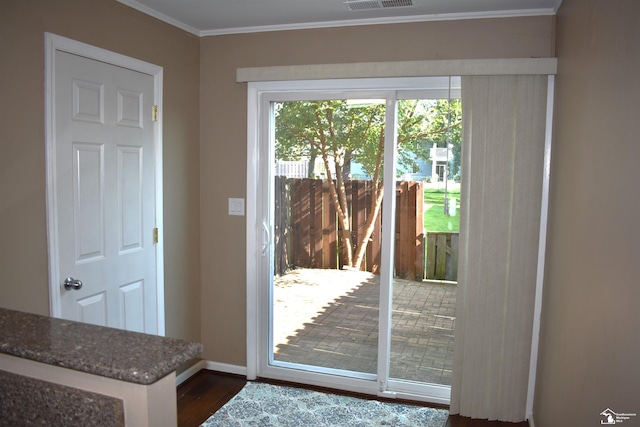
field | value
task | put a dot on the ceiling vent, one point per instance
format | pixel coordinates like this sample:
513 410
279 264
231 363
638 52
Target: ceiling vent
377 4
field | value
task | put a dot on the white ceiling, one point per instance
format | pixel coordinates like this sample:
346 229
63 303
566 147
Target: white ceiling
214 17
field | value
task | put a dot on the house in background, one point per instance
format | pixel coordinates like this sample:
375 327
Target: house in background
439 161
590 339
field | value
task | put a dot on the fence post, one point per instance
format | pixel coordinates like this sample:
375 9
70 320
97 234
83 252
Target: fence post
317 234
404 250
418 203
452 266
374 246
431 256
329 231
441 256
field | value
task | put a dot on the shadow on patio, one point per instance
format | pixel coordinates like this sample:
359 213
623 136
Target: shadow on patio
329 318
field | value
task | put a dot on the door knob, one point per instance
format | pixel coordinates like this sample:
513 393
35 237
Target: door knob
72 284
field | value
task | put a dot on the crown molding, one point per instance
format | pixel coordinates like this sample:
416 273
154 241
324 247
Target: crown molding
331 24
380 21
161 16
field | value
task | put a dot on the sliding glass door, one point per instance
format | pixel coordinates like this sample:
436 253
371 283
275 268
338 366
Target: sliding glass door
426 222
325 180
342 300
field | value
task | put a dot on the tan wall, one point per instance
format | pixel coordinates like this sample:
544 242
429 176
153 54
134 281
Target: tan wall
590 338
23 241
223 129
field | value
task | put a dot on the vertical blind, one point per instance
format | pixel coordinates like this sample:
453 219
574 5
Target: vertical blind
502 178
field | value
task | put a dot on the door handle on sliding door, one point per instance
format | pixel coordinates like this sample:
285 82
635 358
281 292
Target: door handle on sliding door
265 238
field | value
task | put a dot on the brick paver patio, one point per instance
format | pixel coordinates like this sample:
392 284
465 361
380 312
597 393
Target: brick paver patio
329 318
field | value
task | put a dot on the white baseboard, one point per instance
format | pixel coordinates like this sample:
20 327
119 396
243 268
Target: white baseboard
188 373
224 367
212 366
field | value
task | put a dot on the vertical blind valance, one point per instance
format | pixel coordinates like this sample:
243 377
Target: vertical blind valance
502 180
363 70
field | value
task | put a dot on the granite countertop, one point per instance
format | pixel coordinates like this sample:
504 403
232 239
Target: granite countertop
128 356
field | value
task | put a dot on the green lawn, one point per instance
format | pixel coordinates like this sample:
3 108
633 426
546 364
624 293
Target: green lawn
434 217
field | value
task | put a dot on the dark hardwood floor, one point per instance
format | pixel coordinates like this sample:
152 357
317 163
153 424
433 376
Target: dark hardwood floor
207 391
203 394
458 421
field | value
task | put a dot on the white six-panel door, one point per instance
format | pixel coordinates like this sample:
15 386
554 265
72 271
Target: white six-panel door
105 193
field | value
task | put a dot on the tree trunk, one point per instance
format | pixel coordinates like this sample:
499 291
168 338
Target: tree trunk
339 198
313 154
376 202
346 168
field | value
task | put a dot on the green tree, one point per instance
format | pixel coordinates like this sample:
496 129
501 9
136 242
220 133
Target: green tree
339 131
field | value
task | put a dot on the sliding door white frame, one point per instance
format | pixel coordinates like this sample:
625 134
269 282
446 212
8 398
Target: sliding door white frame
259 224
542 244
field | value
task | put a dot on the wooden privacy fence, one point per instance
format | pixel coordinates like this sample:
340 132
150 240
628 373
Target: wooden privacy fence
307 227
442 256
307 230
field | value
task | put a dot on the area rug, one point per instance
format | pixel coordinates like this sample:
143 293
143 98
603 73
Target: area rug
260 404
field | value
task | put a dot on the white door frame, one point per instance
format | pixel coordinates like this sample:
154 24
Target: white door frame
55 43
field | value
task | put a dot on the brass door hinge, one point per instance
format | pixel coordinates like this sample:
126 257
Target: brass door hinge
155 235
154 113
